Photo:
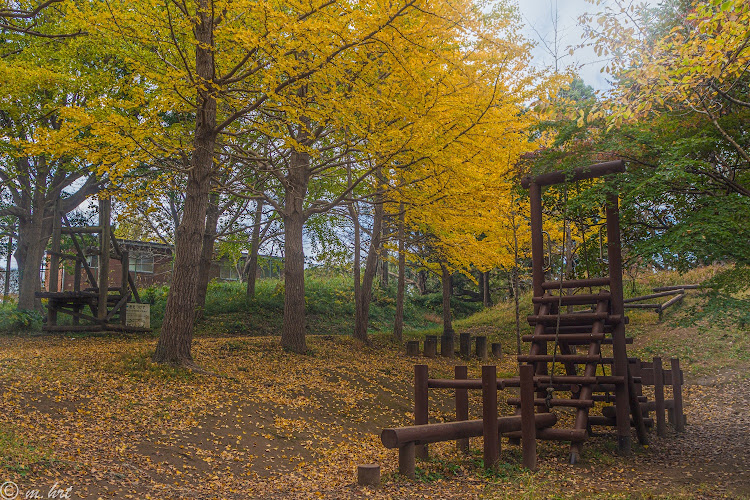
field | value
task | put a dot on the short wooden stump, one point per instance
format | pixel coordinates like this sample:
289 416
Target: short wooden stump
368 475
430 348
412 348
497 350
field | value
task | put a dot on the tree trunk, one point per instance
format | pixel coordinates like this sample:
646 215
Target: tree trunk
383 254
517 308
252 266
176 337
293 331
422 282
207 251
486 289
33 235
363 312
398 323
357 266
447 290
6 285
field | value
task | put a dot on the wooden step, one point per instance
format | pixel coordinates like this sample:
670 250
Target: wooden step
574 329
573 403
610 398
567 379
560 358
565 337
585 283
574 338
552 434
570 300
574 318
612 422
609 361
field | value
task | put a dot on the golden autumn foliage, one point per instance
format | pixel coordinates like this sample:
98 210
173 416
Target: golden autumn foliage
435 95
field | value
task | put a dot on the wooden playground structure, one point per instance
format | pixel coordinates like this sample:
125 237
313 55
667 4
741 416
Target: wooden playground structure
567 314
107 306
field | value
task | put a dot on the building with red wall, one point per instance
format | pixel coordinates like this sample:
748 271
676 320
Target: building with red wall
151 265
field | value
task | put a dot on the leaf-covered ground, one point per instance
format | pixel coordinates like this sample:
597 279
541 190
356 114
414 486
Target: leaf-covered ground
94 414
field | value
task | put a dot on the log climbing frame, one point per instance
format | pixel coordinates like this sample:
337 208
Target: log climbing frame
107 306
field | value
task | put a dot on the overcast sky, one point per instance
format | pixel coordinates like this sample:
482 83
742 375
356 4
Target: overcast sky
537 17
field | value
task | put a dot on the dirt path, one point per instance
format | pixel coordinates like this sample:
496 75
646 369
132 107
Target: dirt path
711 459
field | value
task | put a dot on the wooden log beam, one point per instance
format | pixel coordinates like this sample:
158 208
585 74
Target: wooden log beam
671 302
81 230
675 287
579 299
577 174
450 431
120 304
551 434
583 283
655 295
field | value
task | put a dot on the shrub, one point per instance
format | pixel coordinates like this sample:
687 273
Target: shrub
14 321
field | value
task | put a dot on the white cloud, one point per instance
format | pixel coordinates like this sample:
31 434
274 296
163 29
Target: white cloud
538 25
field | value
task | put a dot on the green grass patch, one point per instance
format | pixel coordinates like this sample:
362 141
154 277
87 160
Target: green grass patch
329 307
19 455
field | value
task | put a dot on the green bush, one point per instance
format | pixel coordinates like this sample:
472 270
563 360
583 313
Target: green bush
14 321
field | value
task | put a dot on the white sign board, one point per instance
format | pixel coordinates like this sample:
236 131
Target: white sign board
138 315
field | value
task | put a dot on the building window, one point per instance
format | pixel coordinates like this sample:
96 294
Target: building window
228 272
142 264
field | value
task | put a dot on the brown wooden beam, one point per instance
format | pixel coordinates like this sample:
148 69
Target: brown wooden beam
577 174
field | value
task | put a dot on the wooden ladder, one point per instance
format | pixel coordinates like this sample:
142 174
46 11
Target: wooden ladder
556 337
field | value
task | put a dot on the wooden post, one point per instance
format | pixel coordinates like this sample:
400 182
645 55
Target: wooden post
661 425
528 424
406 459
77 288
620 367
489 416
462 406
125 259
537 241
497 350
482 348
430 347
412 348
464 345
421 403
54 260
636 412
104 215
678 418
54 265
447 349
